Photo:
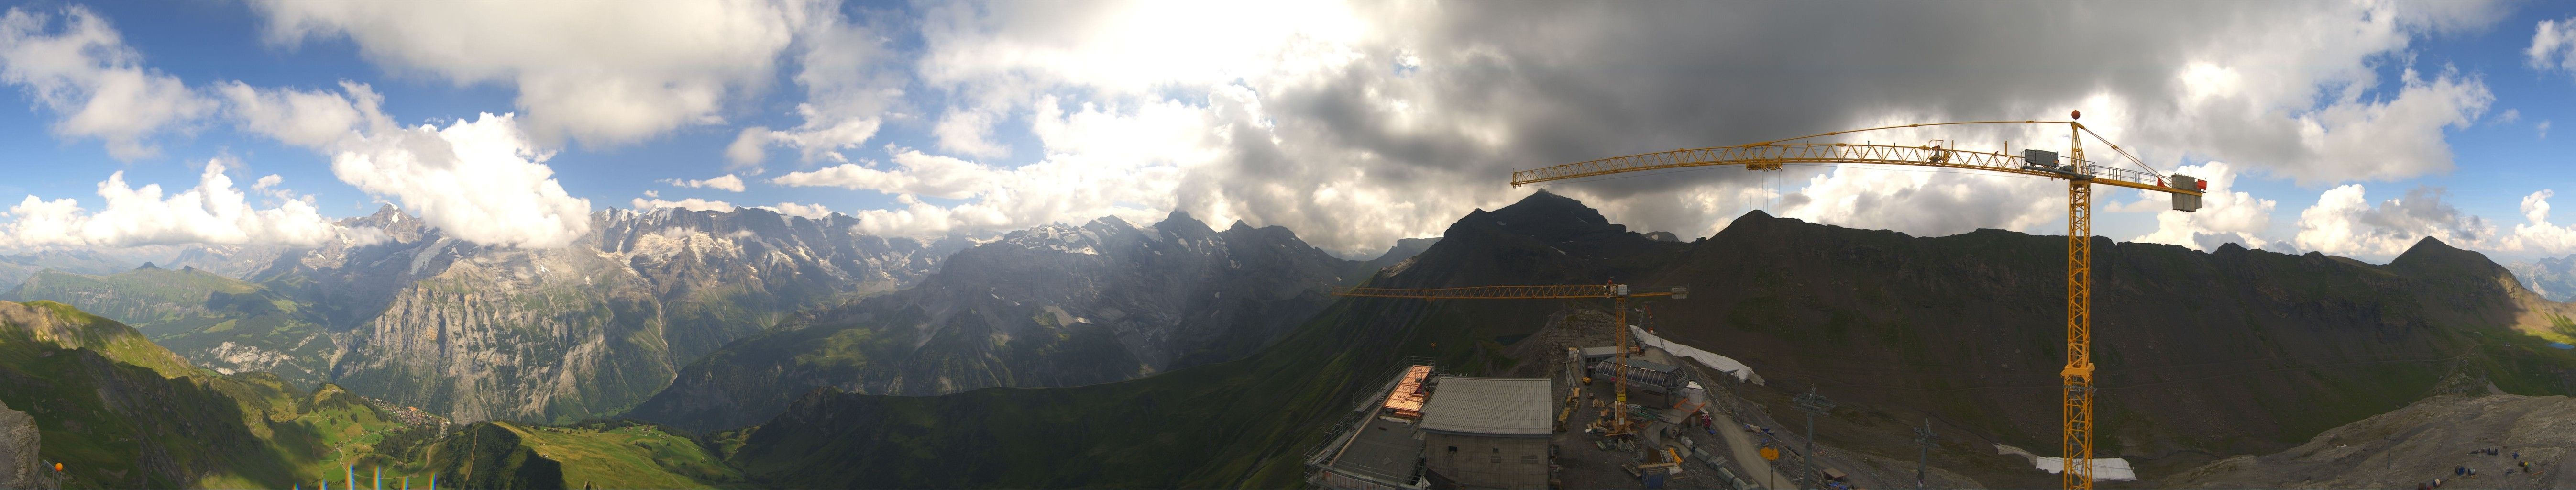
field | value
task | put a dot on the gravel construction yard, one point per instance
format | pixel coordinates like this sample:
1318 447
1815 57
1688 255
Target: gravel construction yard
2429 439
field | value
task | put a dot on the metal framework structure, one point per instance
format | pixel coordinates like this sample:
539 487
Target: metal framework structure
1923 435
1813 404
2080 176
1618 294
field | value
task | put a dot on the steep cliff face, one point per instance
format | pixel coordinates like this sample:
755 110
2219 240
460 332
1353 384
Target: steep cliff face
542 335
1049 306
720 276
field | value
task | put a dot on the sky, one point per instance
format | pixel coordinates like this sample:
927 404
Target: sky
2347 128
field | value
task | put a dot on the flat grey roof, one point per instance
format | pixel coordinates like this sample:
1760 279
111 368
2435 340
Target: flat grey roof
1508 407
1385 450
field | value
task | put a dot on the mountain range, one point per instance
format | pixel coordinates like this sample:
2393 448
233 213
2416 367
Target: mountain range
1177 355
2203 354
1049 306
480 333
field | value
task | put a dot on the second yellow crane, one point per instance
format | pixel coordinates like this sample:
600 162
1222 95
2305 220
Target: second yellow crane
1618 294
2080 176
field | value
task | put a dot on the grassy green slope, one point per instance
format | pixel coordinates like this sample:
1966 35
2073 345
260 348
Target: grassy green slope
1240 423
213 321
120 412
605 455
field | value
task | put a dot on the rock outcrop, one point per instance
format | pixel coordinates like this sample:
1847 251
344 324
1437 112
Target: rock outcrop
2414 445
21 463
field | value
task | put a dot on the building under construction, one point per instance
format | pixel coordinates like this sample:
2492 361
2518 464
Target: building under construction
1432 430
1488 432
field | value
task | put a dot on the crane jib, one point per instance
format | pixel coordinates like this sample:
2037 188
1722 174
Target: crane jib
2080 174
1772 155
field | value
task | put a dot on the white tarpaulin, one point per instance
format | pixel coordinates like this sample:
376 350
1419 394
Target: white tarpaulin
2104 469
1722 363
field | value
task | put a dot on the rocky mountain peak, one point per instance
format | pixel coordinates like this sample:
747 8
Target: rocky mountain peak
1182 223
1406 248
1178 220
2430 255
2430 247
1543 216
1544 205
1276 239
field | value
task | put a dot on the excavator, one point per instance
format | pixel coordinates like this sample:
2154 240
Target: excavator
2079 173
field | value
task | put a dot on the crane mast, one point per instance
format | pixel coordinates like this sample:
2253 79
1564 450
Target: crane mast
2079 173
2078 375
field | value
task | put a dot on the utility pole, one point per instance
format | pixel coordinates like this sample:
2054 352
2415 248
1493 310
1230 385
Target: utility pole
1922 435
1813 404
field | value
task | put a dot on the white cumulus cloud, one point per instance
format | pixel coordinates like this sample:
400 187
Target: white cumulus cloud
1357 124
309 118
728 182
2553 45
213 212
692 204
600 75
815 211
2226 215
916 173
2344 222
851 82
2537 234
480 181
98 88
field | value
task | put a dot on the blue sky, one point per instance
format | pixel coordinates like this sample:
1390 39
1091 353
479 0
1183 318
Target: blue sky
206 41
1352 124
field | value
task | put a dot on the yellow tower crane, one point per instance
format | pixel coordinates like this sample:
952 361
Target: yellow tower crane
2080 176
1618 294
